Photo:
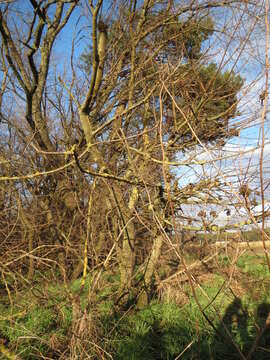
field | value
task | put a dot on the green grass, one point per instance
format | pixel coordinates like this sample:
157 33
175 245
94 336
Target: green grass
250 235
159 331
28 330
255 266
156 332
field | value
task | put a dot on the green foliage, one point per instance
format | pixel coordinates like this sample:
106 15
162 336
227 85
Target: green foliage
196 84
188 35
105 308
31 322
156 332
240 329
163 331
200 88
224 260
212 96
29 330
254 265
221 102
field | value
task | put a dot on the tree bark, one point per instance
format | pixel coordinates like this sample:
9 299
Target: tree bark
149 271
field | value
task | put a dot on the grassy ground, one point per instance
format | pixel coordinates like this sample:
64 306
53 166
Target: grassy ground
249 235
233 317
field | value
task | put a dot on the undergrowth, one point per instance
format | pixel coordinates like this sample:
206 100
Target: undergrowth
38 323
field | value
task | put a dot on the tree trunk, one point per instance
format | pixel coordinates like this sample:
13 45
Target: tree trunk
149 271
126 258
126 252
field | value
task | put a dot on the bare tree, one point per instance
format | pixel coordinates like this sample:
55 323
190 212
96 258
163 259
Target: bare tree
118 151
